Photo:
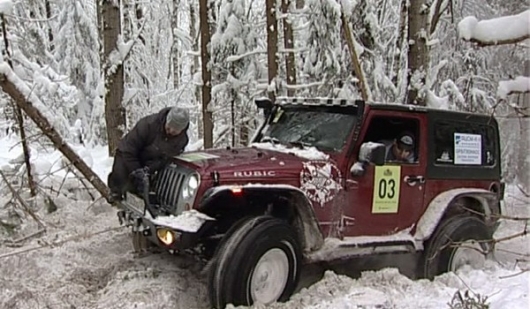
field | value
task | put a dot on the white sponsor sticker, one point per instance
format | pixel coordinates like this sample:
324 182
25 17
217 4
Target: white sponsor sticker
468 149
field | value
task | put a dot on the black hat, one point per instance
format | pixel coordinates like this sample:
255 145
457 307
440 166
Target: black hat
405 140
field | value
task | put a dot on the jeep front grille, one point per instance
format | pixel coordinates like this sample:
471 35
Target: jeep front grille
168 186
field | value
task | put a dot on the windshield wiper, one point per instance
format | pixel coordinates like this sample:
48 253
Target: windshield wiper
299 144
267 139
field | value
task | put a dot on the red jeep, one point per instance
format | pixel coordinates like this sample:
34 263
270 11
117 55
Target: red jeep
316 184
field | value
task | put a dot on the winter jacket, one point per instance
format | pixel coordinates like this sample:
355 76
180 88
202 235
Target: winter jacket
147 144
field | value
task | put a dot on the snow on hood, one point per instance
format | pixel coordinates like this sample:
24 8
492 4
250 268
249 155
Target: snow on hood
263 158
309 153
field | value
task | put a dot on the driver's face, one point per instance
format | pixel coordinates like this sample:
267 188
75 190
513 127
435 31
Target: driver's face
401 153
172 132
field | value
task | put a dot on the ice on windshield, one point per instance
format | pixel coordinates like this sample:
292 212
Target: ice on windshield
302 127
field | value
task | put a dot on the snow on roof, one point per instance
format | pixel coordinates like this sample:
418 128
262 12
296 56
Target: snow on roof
506 29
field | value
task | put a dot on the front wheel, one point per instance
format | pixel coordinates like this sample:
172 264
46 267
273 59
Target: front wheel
258 263
459 241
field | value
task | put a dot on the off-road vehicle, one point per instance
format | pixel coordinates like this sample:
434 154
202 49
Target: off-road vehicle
314 185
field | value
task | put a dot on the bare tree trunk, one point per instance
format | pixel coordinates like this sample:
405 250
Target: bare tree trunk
194 35
354 58
49 15
114 79
438 11
20 98
174 49
20 118
233 119
418 54
288 42
25 149
272 47
207 117
396 67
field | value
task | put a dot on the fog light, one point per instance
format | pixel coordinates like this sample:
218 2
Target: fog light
165 236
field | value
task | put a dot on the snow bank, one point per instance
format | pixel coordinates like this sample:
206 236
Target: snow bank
49 166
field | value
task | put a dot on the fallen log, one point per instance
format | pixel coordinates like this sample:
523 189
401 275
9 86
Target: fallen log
20 92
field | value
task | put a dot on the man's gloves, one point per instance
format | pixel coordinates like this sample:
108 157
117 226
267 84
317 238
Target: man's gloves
140 179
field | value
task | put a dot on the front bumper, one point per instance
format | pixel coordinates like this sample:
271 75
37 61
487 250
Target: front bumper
183 236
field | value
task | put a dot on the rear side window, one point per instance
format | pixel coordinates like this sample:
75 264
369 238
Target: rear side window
464 144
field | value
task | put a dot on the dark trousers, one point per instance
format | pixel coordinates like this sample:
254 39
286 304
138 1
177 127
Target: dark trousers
118 179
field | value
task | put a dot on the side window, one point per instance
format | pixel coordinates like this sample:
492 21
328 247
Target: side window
459 143
400 136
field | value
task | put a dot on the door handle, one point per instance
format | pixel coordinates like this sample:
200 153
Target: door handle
412 179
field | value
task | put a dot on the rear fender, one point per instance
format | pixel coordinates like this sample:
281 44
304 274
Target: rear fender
438 206
304 221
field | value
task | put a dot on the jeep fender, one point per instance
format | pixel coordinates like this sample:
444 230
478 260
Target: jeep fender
305 222
437 207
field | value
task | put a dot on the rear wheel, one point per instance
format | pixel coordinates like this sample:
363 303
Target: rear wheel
459 241
258 263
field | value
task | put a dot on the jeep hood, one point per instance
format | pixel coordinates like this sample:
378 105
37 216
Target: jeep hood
262 160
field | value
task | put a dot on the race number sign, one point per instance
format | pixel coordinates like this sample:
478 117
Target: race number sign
386 189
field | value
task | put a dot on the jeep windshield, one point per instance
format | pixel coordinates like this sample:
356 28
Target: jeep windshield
323 127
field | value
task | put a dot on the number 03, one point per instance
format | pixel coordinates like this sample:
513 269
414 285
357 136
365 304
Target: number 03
387 188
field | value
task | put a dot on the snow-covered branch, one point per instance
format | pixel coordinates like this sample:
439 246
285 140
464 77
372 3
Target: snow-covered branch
520 84
496 31
123 49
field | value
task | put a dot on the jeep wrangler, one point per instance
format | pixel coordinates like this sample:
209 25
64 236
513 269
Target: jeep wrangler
315 185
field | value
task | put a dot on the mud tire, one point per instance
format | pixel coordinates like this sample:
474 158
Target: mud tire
257 250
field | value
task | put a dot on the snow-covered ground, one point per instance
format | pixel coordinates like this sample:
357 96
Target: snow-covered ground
85 260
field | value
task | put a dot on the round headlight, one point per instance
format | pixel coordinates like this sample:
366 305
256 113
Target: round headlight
193 182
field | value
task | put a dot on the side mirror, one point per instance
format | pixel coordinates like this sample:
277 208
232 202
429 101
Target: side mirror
374 153
265 104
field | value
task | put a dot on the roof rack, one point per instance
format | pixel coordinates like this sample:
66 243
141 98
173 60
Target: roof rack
318 101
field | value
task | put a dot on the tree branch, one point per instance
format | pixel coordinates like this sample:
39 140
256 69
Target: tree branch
483 43
17 196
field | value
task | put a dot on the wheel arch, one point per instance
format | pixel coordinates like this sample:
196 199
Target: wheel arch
477 202
288 202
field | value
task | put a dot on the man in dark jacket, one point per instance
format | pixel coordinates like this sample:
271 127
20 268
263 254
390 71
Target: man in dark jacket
153 140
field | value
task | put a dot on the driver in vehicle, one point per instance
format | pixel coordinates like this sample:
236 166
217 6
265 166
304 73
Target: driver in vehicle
145 149
401 149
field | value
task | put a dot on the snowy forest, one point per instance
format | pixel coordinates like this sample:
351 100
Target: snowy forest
76 75
98 67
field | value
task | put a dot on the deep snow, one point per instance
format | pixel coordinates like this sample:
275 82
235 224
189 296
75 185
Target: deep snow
100 271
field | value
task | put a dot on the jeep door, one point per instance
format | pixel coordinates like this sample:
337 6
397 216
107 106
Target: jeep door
383 200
